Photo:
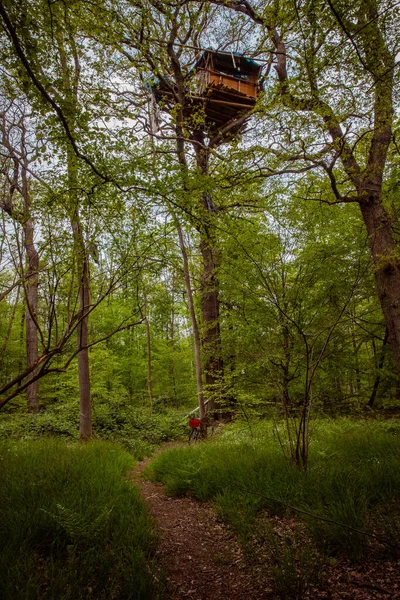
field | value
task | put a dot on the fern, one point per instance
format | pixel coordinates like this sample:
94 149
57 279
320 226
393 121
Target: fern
77 526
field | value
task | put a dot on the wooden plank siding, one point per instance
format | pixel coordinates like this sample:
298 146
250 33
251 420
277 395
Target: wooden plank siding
223 86
207 77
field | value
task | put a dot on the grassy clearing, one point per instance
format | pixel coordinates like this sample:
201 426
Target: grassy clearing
71 526
353 479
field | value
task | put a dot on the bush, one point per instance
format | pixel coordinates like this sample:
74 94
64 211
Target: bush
139 431
354 473
71 526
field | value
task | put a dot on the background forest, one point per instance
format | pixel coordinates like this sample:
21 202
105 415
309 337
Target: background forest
93 198
152 263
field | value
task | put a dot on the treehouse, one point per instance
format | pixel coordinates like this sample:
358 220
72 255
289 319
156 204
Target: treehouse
224 85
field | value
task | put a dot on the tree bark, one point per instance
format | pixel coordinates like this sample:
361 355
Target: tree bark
71 78
20 182
85 421
377 381
31 286
148 351
85 417
209 289
357 366
211 335
31 304
209 285
195 329
82 262
386 265
172 350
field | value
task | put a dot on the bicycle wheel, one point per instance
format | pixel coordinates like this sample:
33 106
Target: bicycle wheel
194 435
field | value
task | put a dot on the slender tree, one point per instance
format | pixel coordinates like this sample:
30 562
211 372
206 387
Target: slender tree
70 69
20 153
195 329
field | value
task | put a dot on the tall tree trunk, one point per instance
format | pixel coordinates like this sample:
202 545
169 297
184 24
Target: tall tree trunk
20 181
387 266
31 312
85 420
209 289
71 79
172 349
82 262
211 334
195 329
31 288
356 365
377 381
380 60
148 352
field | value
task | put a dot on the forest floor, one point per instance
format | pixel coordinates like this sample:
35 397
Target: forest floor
203 560
199 554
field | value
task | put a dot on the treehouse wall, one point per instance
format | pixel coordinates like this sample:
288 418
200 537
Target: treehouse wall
244 85
224 85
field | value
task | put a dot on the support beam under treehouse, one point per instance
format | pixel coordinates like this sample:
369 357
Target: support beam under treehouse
221 88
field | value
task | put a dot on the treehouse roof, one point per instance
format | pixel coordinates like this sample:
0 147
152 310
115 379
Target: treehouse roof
229 60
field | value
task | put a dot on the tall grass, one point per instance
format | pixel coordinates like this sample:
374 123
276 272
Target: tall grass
353 480
71 525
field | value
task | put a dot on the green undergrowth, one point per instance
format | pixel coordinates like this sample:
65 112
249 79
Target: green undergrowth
353 480
71 525
139 430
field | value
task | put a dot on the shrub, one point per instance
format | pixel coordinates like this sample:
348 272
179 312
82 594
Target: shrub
71 526
354 472
139 431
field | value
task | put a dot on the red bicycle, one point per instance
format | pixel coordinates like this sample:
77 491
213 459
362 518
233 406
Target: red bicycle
194 432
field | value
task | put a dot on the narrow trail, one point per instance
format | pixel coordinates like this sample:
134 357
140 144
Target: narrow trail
203 561
201 558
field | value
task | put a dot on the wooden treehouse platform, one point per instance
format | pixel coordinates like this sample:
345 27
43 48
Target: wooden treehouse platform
221 88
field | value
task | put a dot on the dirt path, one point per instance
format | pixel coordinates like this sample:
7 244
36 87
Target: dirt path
203 561
200 556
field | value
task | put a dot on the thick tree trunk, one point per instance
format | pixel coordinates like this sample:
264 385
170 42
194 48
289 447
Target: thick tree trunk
211 338
386 265
209 290
30 280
